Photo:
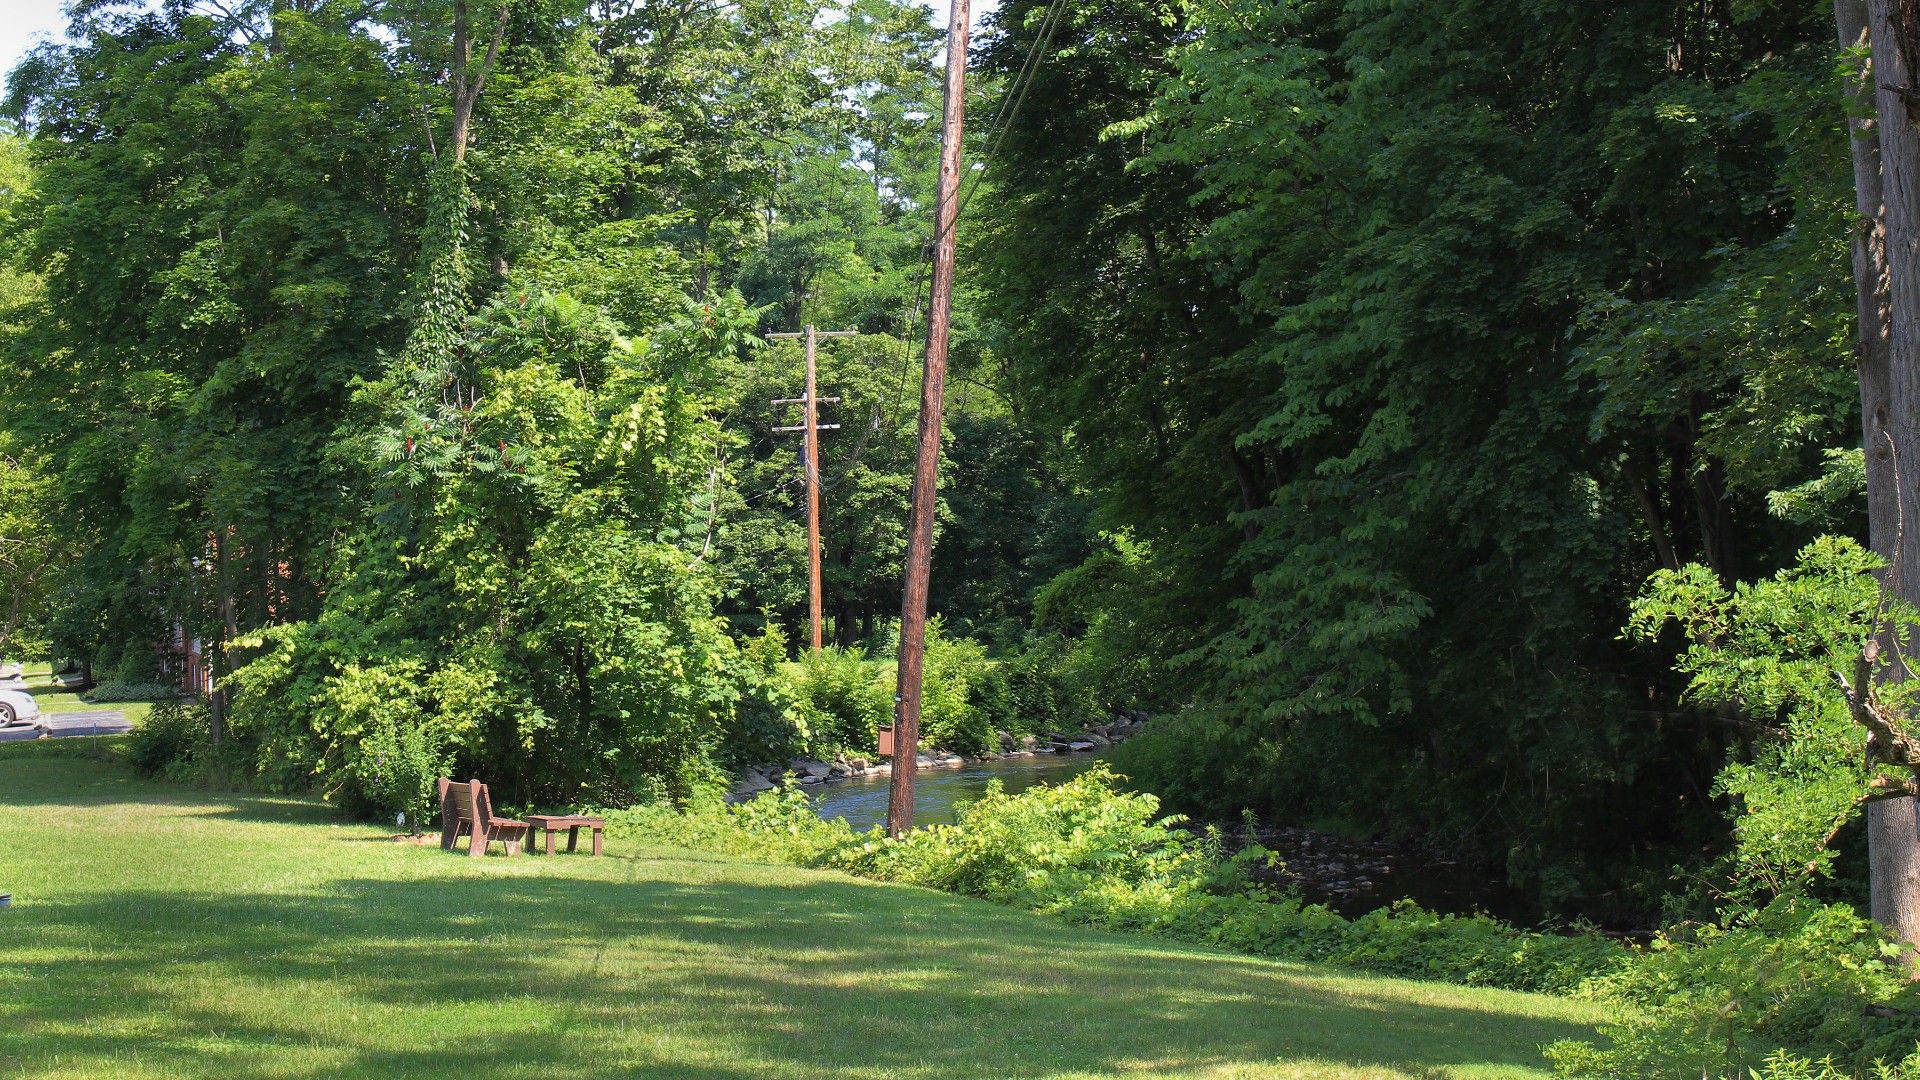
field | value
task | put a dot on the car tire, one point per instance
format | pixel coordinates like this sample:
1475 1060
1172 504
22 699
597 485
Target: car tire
7 718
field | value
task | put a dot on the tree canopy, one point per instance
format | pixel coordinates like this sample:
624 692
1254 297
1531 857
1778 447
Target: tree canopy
1330 377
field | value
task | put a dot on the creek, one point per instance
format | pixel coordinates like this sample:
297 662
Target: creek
1350 876
862 800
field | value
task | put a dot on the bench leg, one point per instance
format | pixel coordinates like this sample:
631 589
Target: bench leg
512 847
449 818
596 841
478 847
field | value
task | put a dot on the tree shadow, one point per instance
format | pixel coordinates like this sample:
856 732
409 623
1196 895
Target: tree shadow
696 978
57 772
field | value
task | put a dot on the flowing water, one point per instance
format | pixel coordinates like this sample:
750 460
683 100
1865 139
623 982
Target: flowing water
862 800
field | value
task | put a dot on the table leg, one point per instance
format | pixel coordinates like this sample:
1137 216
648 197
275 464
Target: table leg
549 839
573 838
596 841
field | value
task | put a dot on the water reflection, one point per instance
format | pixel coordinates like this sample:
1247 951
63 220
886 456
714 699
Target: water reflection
863 799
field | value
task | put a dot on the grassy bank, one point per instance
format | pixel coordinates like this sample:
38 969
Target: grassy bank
160 932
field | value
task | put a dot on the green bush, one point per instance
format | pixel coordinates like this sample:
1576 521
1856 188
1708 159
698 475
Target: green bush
1787 984
769 722
836 699
171 742
1114 608
1784 1065
139 665
841 698
399 748
1408 940
113 690
1092 854
1038 689
1044 847
955 675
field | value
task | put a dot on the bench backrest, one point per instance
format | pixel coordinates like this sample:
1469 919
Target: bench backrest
465 802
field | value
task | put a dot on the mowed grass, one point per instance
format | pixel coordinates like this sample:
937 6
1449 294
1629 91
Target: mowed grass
56 699
163 932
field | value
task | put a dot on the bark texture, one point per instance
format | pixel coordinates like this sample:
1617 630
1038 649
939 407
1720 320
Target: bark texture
1886 263
467 81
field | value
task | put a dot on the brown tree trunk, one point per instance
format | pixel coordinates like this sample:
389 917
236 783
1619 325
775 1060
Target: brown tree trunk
217 656
1886 263
467 83
1650 511
1249 483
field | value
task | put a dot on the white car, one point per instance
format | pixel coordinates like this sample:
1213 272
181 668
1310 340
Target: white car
18 709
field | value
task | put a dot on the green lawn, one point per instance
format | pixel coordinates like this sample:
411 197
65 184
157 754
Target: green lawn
54 699
162 932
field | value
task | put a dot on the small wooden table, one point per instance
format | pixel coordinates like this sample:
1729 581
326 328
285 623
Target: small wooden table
573 823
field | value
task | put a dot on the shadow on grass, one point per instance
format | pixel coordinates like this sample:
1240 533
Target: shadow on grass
67 772
571 977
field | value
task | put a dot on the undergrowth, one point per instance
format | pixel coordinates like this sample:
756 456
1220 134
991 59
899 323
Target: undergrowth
1782 994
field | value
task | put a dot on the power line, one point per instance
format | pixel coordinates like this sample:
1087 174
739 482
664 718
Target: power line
1004 119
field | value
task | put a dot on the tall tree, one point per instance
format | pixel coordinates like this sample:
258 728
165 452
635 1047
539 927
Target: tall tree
1889 244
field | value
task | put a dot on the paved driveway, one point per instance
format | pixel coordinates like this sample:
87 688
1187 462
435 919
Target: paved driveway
61 725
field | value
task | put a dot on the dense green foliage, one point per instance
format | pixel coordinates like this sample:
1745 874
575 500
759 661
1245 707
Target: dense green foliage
457 456
1404 341
1776 650
1791 980
113 691
171 743
538 614
834 701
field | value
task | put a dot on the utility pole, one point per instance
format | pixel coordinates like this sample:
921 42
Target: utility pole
933 390
810 467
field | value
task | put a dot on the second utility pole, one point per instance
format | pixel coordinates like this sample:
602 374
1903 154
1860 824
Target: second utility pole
933 392
810 470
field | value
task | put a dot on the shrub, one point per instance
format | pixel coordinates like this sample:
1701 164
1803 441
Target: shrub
1092 854
1785 986
842 699
114 690
955 673
1042 848
170 742
398 749
769 722
139 665
1037 689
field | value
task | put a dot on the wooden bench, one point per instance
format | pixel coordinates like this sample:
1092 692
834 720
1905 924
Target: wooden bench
573 823
467 806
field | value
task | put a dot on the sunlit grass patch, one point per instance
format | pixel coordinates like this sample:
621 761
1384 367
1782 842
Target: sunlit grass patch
161 932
